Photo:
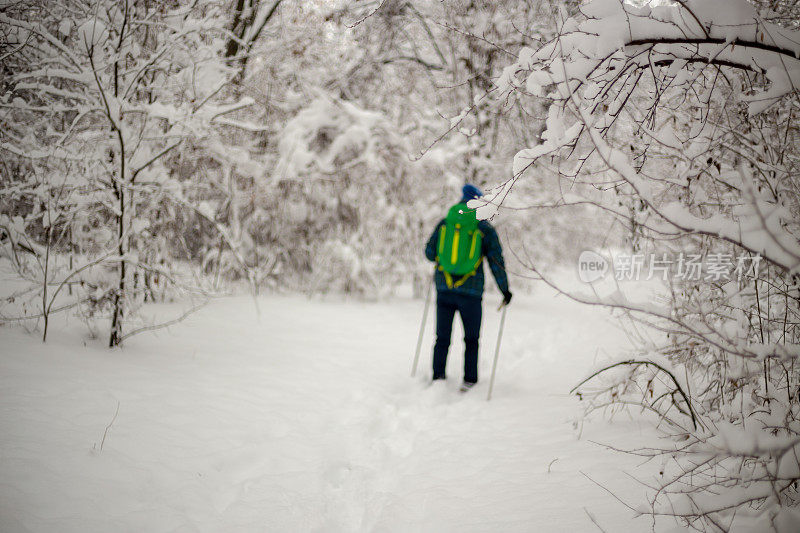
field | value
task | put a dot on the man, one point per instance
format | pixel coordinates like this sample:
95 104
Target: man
459 280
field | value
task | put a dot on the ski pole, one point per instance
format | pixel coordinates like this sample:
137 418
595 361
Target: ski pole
497 351
422 328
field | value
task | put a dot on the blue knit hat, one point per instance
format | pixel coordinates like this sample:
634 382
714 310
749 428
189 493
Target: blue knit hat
470 192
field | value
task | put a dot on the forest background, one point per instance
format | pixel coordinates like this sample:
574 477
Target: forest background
176 151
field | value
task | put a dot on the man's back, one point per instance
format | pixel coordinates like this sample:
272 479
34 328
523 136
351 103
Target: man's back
491 251
457 292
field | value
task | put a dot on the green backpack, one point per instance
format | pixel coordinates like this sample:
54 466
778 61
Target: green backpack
460 240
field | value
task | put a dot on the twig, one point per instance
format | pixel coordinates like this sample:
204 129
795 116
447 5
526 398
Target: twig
108 427
634 362
620 500
172 322
593 519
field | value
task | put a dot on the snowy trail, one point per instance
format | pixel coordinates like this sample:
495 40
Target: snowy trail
305 419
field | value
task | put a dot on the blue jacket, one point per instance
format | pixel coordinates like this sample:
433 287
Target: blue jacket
492 253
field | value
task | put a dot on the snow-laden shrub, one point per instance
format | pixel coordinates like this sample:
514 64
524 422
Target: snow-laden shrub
94 103
346 197
679 121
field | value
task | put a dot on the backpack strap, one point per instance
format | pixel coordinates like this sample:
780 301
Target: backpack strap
454 250
472 248
448 278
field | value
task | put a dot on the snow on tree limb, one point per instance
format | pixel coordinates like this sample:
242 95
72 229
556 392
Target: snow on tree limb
680 122
615 35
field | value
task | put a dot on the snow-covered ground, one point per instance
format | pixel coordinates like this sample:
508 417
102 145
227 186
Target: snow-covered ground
304 418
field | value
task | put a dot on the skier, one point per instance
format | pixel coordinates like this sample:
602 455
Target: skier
458 246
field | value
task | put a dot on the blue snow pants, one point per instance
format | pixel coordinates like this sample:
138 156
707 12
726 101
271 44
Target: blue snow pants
470 309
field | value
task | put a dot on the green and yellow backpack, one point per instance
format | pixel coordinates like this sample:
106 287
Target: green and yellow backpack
459 250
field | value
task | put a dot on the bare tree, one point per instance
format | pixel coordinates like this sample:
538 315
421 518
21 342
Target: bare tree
101 96
248 21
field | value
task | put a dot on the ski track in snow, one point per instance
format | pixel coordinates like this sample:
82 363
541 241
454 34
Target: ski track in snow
304 418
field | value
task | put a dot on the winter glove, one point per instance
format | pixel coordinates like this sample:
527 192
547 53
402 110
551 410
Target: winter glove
506 297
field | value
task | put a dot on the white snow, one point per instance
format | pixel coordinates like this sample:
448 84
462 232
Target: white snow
305 419
92 33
